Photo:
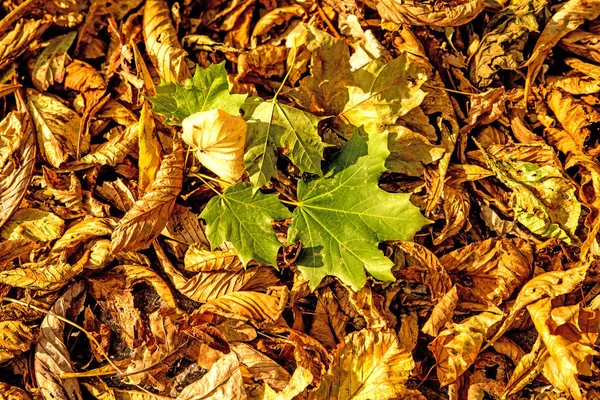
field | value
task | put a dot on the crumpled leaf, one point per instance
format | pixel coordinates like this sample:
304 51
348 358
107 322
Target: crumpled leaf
361 222
207 90
493 267
272 125
543 199
8 392
456 347
245 220
383 92
570 334
150 214
217 139
112 151
52 356
549 284
261 367
440 13
161 43
504 39
297 384
17 40
49 67
572 14
368 364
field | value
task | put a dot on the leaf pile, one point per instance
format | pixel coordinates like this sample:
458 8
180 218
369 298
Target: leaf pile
280 199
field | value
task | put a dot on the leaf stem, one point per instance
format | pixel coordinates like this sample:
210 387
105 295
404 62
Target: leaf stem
291 203
289 71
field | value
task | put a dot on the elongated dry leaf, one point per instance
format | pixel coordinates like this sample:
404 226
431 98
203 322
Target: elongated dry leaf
572 14
112 151
52 356
250 306
438 13
198 258
222 381
368 364
261 367
17 164
48 274
150 214
9 392
217 139
33 224
136 274
297 384
149 148
161 43
441 313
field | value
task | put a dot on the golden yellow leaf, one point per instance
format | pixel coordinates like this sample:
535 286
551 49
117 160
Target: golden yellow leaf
549 284
222 381
570 334
33 224
82 77
16 162
149 149
15 338
82 232
161 43
11 249
442 312
57 128
368 364
527 368
149 215
457 347
198 258
48 274
136 273
217 139
494 268
430 13
250 306
572 14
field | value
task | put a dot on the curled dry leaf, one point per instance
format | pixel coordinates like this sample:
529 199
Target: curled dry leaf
261 367
162 44
368 363
9 392
457 347
572 14
437 13
52 356
16 164
217 139
49 67
16 41
149 214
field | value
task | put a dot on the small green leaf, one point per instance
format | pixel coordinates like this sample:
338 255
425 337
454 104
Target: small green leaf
342 217
274 125
207 90
245 220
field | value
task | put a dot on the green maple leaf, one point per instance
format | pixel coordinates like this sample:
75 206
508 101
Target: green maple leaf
342 216
272 125
207 90
244 219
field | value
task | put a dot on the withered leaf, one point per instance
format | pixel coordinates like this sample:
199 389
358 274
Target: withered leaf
149 214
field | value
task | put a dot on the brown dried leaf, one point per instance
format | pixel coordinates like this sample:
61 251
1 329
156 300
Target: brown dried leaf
438 13
457 347
51 353
261 367
150 214
17 41
222 381
250 306
16 164
8 392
